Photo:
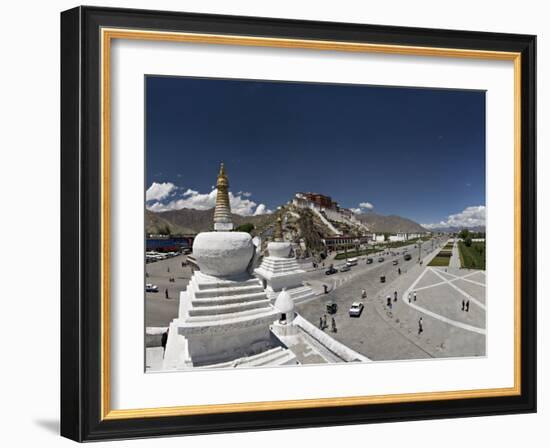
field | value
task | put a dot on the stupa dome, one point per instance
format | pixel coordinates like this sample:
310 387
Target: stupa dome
284 303
280 249
223 254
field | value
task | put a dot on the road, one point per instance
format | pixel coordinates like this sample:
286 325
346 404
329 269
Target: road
383 333
160 311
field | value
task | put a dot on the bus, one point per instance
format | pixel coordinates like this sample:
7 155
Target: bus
351 262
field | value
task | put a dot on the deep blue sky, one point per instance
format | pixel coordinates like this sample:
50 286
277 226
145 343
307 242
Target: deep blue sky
418 153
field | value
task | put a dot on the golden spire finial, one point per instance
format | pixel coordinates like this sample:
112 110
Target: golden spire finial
222 212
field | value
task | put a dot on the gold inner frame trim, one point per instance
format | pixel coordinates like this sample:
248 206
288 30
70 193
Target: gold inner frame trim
107 35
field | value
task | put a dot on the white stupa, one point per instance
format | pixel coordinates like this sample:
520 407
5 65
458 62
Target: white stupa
281 271
224 314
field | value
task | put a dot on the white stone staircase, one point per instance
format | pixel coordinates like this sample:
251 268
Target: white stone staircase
278 356
213 301
326 222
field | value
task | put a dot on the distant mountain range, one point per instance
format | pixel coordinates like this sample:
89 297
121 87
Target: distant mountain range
391 223
454 229
190 221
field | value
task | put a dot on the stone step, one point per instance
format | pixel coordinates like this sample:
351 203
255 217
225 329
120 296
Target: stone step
279 262
273 357
276 357
267 313
225 300
228 292
280 270
204 283
228 309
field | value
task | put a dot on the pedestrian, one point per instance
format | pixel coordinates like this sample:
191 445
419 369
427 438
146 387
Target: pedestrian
333 325
388 301
409 297
420 327
167 268
182 265
463 303
468 305
321 323
166 293
164 341
325 321
399 271
363 294
325 287
395 296
414 296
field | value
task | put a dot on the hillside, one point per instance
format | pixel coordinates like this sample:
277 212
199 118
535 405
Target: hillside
391 223
157 225
191 221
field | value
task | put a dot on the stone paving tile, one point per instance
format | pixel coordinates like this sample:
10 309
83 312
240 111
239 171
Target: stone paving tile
428 279
447 302
471 288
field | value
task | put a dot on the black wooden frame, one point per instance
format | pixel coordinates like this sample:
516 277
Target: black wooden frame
80 224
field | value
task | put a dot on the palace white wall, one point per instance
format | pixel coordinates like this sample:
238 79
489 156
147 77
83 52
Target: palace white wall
29 228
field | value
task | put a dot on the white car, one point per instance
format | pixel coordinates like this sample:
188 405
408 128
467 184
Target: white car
356 309
149 287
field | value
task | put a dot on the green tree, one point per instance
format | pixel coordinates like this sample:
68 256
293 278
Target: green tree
468 241
463 234
247 227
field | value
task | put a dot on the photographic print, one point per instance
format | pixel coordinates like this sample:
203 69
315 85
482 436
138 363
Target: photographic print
295 224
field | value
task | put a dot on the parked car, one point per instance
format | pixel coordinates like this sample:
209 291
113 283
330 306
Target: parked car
356 309
395 262
345 268
332 307
149 287
407 257
369 260
331 271
381 259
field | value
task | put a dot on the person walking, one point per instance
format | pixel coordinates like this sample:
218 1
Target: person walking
409 297
468 305
166 293
395 296
388 301
325 321
399 271
414 296
164 341
321 323
420 326
333 324
463 304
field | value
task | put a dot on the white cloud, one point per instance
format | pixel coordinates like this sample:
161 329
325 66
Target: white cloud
204 201
262 210
356 210
366 205
158 191
469 217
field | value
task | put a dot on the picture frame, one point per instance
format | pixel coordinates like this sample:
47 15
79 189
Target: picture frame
86 210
